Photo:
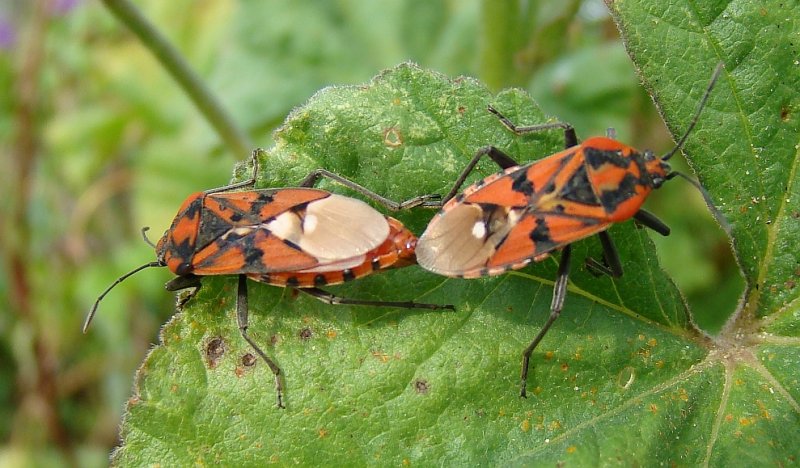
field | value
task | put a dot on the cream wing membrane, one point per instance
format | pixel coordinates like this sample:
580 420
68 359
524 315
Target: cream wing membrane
464 238
455 242
332 229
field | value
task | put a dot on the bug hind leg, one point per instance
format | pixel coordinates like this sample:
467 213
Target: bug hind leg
242 319
332 299
559 295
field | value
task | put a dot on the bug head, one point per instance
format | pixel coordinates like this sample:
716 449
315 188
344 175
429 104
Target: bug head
156 264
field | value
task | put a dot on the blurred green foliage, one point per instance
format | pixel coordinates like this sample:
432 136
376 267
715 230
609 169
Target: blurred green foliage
98 140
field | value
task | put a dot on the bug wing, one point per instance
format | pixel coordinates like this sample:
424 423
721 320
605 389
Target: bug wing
338 227
331 229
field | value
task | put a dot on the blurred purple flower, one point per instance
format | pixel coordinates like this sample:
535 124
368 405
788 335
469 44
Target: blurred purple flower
8 35
61 7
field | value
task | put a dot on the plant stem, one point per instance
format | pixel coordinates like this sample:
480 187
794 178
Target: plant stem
236 140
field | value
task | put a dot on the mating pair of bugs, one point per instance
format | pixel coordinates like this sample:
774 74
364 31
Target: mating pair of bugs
306 238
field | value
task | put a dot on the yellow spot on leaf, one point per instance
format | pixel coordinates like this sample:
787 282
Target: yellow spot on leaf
526 425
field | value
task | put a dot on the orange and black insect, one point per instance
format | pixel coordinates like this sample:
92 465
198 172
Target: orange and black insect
526 213
302 238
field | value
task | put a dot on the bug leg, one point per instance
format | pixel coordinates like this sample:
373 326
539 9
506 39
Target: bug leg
651 221
500 158
611 265
332 299
245 183
559 295
570 138
430 201
242 318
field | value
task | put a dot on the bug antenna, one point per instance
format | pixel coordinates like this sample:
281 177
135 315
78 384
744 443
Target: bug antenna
726 226
679 145
122 278
144 236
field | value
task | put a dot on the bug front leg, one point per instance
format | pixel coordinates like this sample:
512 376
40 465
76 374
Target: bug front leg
332 299
651 221
429 201
245 183
559 295
242 318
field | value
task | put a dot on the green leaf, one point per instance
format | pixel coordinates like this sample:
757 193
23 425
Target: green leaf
623 375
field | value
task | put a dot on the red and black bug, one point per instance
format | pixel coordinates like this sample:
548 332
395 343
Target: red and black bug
526 213
302 237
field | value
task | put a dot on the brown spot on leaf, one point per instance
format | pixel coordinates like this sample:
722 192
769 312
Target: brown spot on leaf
248 360
215 350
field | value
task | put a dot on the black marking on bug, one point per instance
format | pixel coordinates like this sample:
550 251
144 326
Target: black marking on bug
320 280
375 264
193 209
300 210
626 189
183 250
254 256
522 184
292 282
292 245
578 189
645 178
540 236
597 158
347 275
265 197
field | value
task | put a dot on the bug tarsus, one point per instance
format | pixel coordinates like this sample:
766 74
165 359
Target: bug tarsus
242 319
559 295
